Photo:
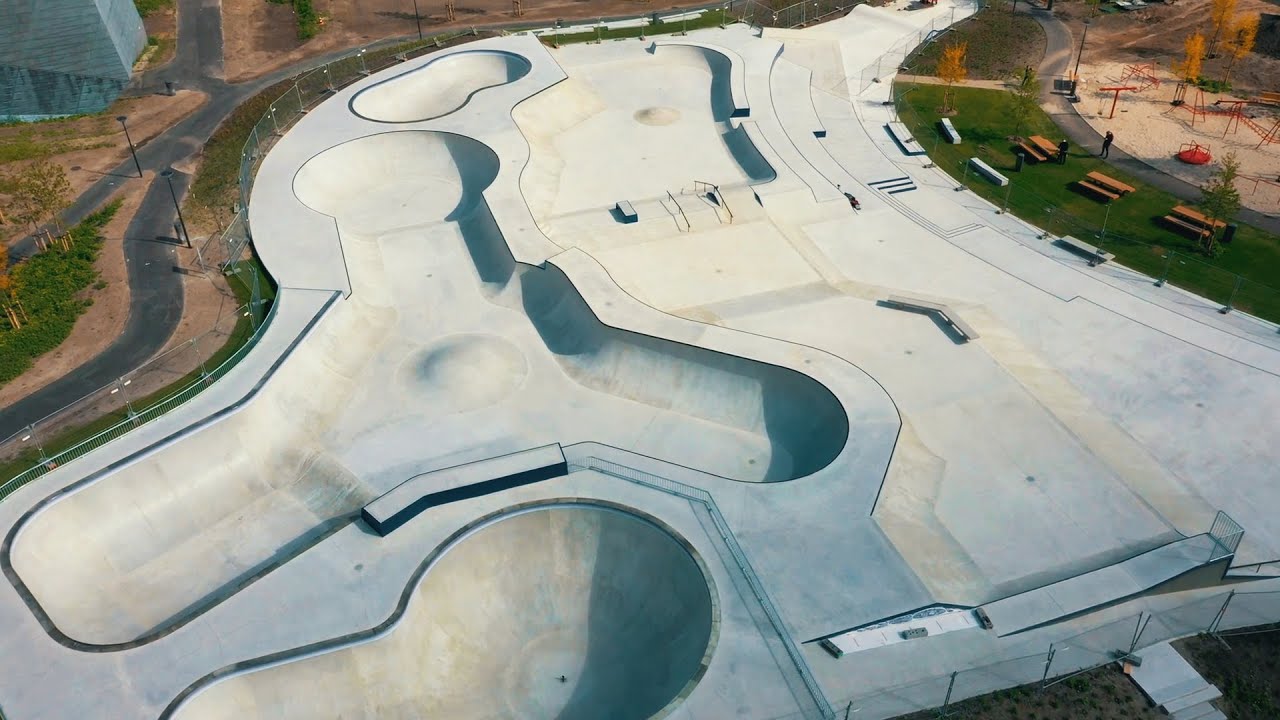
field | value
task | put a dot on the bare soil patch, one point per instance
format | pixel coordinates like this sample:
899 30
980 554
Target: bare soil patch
260 37
162 37
1000 45
1246 670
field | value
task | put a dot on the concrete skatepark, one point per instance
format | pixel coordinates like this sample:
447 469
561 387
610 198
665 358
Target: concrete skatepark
759 452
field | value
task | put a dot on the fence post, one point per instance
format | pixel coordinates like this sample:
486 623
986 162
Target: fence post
1140 628
1227 308
1168 264
1048 226
964 181
272 111
1048 661
1007 193
302 107
946 702
1222 611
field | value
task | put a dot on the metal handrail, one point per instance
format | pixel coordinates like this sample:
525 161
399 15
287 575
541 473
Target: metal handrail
687 226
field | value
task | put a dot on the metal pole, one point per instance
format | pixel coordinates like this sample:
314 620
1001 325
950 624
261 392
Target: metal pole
1103 235
1232 299
132 151
1140 628
1048 661
1048 226
167 174
1217 619
1007 193
1080 53
1168 265
418 19
942 711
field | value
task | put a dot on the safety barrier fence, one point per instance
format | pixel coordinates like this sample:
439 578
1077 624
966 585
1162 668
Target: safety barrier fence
896 57
697 495
1131 243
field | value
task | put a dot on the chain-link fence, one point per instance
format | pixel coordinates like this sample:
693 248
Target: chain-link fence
1221 614
891 61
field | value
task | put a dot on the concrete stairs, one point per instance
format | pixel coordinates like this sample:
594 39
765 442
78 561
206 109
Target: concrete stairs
893 186
1174 686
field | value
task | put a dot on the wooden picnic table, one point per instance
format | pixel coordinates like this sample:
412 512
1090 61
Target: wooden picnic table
1110 183
1048 146
1196 217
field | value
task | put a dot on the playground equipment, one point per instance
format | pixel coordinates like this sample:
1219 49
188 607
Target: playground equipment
1116 98
1194 154
1143 74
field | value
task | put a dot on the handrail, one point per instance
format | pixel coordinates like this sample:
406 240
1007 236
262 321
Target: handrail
687 226
714 191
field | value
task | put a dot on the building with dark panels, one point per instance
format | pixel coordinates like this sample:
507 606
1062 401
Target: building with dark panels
65 57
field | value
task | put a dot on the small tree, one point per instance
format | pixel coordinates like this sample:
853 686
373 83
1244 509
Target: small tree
1093 8
1220 15
951 70
1220 199
1188 68
1239 41
1024 99
40 192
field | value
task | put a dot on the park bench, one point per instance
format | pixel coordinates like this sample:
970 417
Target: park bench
1187 219
1110 183
1093 187
1095 255
949 130
1033 151
943 311
988 172
1270 97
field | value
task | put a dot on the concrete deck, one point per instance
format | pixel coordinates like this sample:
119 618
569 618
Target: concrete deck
455 286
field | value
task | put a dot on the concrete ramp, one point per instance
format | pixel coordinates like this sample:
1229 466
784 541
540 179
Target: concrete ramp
611 602
1106 586
438 88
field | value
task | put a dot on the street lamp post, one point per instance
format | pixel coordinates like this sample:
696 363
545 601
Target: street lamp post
1080 52
132 150
167 174
418 19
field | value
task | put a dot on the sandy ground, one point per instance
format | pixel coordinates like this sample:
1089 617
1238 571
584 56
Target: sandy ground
96 144
260 37
1148 127
1156 33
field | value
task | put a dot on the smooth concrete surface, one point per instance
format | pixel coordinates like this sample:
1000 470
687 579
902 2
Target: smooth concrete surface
610 601
438 88
458 288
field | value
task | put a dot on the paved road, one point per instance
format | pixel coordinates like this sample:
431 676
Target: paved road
1058 57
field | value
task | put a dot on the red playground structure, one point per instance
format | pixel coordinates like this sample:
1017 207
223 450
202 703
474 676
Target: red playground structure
1142 75
1194 154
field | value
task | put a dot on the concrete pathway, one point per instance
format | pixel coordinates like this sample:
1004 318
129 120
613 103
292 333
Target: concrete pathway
1174 686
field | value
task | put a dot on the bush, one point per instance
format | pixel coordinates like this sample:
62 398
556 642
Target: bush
48 286
149 7
308 20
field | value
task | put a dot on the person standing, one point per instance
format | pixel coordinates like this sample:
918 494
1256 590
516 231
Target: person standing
1106 144
1063 147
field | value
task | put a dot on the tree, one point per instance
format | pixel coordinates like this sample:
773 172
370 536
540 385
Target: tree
1094 8
1239 41
40 192
1024 99
1189 67
1220 15
951 70
1219 197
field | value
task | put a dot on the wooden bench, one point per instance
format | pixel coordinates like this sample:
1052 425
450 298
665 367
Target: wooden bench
1098 189
1110 183
1271 97
943 311
1185 218
988 172
1095 255
949 130
1033 151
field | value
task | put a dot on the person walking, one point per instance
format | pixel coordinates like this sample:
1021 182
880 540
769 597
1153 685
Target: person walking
1106 144
1063 147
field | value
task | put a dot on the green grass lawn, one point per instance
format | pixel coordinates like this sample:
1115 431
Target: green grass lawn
1046 195
1000 45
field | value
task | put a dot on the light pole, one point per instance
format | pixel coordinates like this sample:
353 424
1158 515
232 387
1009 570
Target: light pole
418 19
167 174
1075 75
132 151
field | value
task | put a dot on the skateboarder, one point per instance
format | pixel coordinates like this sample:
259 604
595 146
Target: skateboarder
1063 147
1106 144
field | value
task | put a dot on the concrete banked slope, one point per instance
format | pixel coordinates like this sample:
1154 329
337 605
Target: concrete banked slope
447 343
608 600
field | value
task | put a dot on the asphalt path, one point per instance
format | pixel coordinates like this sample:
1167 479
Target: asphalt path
1058 58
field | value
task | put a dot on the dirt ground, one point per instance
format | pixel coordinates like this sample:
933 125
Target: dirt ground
89 147
1246 670
161 26
1148 127
260 36
1156 33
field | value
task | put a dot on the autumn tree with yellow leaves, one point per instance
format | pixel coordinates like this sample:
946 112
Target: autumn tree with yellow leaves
951 70
1239 41
1188 69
